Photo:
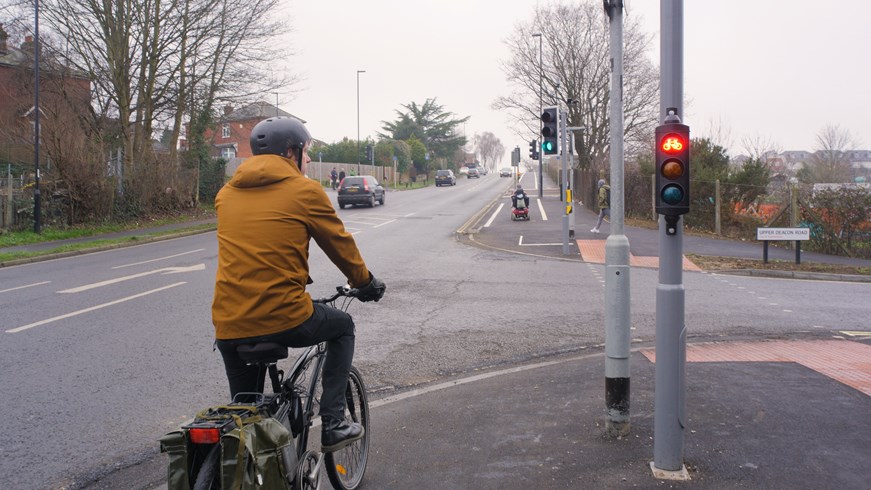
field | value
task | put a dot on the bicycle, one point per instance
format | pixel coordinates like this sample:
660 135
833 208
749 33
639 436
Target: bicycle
292 402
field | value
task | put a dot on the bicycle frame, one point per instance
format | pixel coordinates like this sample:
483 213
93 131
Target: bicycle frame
314 354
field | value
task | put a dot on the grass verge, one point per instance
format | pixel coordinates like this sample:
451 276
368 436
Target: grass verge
101 243
709 263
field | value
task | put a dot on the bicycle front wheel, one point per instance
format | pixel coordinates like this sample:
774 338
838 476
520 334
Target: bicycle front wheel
346 466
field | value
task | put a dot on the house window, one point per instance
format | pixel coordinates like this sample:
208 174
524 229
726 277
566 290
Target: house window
225 131
228 153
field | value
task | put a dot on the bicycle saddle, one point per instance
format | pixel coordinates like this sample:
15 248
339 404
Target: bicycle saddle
265 352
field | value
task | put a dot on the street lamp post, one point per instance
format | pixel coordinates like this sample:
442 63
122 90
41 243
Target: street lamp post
358 119
540 108
37 198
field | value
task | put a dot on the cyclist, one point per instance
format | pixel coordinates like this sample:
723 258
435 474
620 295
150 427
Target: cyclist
267 214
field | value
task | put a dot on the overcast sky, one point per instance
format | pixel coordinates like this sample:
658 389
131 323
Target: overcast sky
777 70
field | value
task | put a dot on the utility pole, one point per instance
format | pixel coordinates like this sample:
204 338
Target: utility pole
617 292
669 400
540 108
567 193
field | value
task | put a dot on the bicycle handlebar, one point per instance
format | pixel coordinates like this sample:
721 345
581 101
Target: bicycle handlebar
341 291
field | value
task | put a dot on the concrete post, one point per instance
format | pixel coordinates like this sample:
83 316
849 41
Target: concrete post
617 295
717 221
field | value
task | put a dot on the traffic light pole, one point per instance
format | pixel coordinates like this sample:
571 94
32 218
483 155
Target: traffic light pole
669 400
617 295
566 193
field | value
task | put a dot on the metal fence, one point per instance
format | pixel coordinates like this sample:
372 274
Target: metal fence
839 220
15 207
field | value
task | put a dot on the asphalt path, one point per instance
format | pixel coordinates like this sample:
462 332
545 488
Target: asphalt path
103 353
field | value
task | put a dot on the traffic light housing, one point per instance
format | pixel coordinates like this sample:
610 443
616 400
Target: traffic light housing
370 153
672 170
533 150
550 131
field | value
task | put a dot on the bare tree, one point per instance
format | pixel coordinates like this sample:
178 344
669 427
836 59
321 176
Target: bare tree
154 62
760 148
830 162
576 65
489 148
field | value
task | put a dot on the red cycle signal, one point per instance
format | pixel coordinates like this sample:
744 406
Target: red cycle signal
672 169
672 143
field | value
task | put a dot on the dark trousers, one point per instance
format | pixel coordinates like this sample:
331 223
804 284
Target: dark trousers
327 324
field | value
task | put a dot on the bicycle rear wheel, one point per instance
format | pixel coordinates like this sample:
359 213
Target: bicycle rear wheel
209 474
346 466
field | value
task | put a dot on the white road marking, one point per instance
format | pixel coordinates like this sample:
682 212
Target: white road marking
520 243
165 270
459 382
541 208
155 260
857 333
495 213
86 310
385 223
25 286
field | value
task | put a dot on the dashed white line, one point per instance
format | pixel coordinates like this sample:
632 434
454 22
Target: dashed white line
25 286
385 223
155 260
86 310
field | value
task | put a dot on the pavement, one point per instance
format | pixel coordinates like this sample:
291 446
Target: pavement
778 414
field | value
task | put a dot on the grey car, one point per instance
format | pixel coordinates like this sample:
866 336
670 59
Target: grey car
360 190
445 177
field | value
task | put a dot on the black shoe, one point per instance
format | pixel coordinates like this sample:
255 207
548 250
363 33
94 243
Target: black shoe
340 435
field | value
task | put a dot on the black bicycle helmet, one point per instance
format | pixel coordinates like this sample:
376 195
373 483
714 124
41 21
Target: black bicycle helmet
280 136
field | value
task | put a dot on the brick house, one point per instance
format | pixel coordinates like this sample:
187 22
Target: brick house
231 135
63 94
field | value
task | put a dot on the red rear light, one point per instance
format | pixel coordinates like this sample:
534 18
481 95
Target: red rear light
204 436
366 185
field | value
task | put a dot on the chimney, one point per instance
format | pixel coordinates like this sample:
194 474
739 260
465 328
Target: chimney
27 45
228 109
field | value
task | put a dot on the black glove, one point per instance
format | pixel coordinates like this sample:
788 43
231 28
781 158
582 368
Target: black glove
372 291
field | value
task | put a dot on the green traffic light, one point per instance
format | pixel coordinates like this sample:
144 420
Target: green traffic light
672 194
547 146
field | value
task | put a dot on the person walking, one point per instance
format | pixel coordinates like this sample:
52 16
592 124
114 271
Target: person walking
604 201
334 178
341 175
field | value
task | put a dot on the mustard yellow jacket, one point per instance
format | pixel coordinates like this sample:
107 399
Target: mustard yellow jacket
267 214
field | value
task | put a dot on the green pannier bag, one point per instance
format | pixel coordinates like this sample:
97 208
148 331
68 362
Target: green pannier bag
175 445
258 453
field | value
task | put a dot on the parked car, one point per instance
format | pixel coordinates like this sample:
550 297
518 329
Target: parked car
484 170
504 172
445 177
473 172
362 189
